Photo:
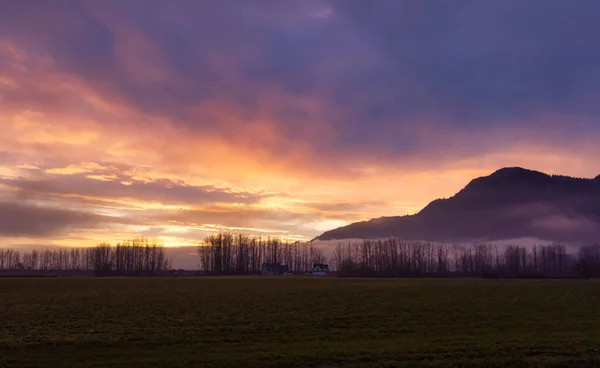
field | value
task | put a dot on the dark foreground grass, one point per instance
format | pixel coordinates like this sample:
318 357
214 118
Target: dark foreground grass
297 322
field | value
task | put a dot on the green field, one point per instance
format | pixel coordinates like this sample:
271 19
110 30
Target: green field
297 322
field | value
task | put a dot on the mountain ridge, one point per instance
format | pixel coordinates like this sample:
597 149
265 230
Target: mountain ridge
512 202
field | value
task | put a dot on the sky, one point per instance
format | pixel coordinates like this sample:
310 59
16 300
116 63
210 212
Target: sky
177 119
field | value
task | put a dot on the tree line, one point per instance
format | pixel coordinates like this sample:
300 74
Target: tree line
400 258
238 254
138 256
227 253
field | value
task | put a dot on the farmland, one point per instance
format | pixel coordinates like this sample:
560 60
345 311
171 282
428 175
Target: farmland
298 321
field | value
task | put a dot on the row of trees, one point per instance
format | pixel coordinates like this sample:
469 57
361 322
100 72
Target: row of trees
229 254
139 256
399 258
237 254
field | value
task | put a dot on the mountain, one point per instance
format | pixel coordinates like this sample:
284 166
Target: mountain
511 203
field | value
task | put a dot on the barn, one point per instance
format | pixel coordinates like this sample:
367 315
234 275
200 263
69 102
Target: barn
320 269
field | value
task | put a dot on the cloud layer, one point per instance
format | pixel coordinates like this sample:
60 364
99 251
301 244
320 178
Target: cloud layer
284 118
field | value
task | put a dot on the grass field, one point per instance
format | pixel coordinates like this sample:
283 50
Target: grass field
297 322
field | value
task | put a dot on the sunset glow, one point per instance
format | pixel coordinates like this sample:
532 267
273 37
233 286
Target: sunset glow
175 120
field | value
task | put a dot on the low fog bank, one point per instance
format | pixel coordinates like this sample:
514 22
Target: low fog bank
328 246
187 257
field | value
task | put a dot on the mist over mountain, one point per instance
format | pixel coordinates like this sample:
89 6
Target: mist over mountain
508 204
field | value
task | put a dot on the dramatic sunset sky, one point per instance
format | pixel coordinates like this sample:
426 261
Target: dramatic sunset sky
176 119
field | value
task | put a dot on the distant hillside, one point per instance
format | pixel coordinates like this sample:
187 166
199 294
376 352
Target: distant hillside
511 203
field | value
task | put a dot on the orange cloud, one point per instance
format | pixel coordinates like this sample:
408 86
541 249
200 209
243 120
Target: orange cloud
275 168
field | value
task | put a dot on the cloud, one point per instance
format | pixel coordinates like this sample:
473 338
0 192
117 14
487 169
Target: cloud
21 219
323 111
294 97
113 187
487 60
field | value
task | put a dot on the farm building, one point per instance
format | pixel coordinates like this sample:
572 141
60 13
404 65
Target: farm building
320 269
270 269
